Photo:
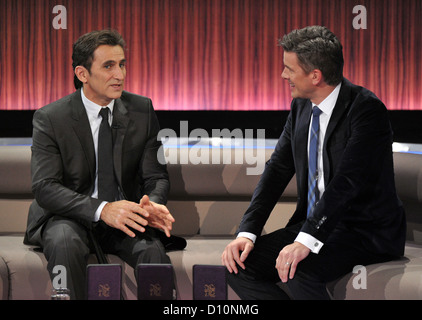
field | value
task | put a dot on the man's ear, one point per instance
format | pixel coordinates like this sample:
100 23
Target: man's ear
317 77
82 74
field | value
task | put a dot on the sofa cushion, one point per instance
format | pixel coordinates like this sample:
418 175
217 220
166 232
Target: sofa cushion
24 276
15 172
393 280
220 218
408 176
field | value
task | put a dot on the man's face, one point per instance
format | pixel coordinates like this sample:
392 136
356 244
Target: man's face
300 83
106 78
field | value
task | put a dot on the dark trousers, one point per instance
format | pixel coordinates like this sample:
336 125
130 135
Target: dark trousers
66 242
260 281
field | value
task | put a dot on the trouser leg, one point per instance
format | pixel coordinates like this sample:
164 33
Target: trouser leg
248 287
341 252
259 279
145 247
65 243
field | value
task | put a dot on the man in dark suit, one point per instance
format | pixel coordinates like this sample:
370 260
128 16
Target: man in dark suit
347 210
72 211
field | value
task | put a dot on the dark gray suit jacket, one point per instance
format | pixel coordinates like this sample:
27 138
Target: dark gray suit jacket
63 159
360 194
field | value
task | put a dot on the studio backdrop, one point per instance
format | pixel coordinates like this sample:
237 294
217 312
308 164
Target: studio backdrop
208 54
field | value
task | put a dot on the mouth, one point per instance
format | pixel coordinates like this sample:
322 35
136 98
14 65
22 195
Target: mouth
117 86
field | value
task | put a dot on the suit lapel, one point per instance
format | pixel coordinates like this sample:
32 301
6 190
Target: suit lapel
82 129
119 128
302 146
340 108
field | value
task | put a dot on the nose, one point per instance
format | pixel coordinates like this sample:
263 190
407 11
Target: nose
120 73
284 74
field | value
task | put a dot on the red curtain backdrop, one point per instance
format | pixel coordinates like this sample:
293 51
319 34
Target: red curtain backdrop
208 54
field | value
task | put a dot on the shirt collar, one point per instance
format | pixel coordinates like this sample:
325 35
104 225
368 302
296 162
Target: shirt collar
327 106
92 108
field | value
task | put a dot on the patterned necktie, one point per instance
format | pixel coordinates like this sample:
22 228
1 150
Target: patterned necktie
107 187
313 192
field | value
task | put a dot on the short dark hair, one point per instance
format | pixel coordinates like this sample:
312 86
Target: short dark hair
317 48
84 47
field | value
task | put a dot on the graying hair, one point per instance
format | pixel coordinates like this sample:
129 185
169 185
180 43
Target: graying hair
317 48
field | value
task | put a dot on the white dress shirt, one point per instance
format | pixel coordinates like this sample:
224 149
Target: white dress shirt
93 112
327 107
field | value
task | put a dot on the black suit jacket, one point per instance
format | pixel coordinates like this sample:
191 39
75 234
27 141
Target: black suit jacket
360 194
63 159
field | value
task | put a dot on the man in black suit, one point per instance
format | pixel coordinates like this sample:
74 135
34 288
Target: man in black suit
71 212
347 212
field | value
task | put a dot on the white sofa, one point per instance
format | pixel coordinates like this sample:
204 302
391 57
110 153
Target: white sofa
207 201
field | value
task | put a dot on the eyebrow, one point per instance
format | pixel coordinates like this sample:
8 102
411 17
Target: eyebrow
113 62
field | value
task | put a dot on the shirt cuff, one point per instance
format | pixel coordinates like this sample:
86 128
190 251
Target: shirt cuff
309 241
248 235
97 214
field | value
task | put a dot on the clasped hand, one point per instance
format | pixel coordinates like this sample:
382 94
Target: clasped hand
124 214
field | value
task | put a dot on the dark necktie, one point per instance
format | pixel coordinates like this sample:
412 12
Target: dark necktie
313 192
107 187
